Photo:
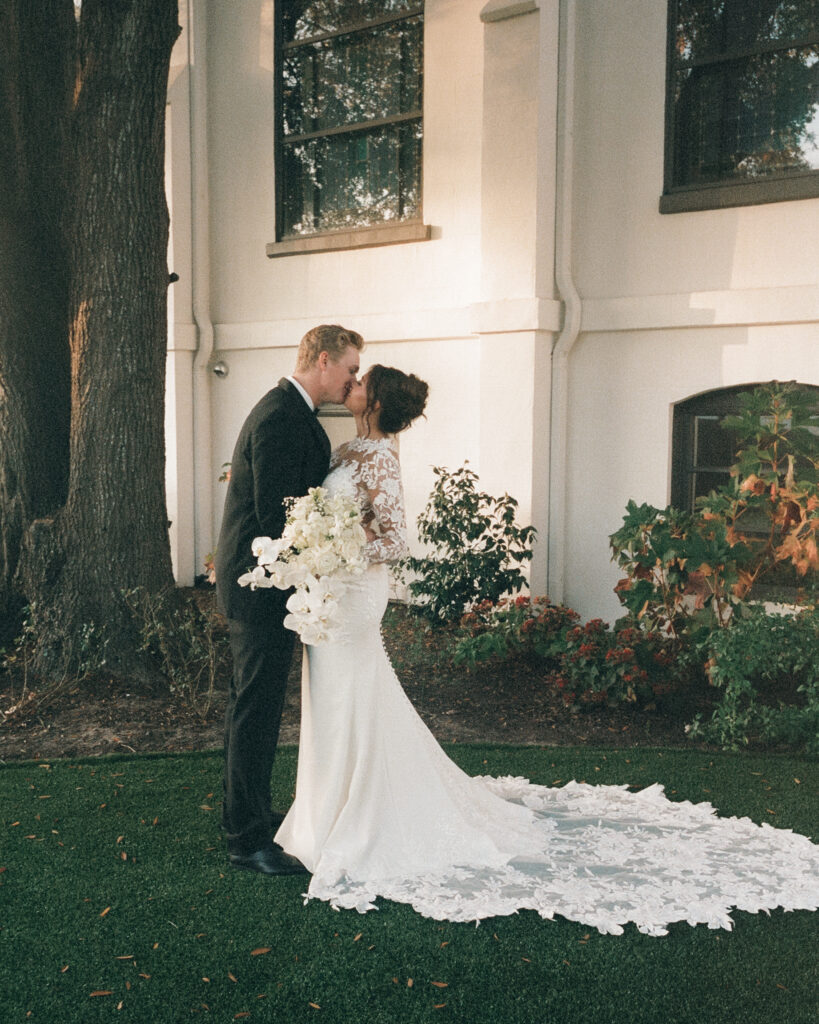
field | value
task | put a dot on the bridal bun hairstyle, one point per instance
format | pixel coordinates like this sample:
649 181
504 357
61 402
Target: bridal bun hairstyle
402 397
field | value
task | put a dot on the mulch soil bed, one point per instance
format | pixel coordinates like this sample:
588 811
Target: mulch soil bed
500 703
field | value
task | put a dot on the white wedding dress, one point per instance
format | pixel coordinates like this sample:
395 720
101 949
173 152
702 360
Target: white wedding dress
380 810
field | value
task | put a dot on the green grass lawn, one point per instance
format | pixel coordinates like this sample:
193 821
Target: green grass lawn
116 904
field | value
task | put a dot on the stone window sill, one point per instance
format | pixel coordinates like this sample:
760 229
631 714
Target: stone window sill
356 238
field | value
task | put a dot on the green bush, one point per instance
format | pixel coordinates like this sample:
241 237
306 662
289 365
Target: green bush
182 642
522 625
767 670
626 665
476 548
589 664
686 572
680 569
771 506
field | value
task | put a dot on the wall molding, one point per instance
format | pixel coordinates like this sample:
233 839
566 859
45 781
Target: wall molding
753 307
730 308
508 316
502 10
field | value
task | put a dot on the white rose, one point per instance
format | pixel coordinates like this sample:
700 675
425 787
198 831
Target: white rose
350 550
326 563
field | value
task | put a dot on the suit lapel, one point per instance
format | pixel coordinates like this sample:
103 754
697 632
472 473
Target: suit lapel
306 415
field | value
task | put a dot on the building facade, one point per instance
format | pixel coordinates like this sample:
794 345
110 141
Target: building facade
550 257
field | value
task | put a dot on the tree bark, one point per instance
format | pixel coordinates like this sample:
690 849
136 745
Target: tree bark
103 527
36 65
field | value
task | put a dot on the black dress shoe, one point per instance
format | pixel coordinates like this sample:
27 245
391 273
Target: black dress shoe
268 861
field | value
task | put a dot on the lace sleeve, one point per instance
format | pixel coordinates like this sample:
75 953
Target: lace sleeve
381 476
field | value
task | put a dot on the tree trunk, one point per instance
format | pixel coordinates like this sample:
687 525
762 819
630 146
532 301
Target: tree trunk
107 531
36 65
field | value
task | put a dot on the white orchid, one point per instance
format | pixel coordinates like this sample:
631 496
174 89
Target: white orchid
255 579
267 550
322 538
285 575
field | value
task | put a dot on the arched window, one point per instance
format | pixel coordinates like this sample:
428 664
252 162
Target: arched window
702 452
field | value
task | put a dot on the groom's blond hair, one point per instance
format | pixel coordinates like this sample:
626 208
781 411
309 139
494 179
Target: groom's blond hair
329 338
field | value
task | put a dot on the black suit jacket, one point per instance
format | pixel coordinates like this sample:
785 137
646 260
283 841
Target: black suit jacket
282 452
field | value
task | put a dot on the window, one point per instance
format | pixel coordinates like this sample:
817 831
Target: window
702 452
349 116
742 103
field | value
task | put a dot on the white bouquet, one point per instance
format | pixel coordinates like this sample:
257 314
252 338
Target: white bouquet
323 537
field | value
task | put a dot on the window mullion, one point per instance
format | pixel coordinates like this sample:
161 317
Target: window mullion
354 126
733 56
352 28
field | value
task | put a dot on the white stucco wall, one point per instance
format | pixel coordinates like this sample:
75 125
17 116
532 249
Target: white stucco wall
673 305
670 305
461 309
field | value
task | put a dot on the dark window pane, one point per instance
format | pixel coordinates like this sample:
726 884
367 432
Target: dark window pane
704 483
743 104
747 119
362 76
714 447
302 19
705 28
353 180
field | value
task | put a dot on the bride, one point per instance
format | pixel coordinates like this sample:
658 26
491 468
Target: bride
380 810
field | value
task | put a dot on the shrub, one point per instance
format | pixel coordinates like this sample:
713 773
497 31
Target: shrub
589 664
680 569
476 548
767 671
521 625
685 572
626 665
771 507
182 641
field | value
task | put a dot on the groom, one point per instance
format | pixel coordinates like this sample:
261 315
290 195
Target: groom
282 452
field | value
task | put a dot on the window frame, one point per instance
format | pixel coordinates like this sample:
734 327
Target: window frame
783 187
349 237
719 403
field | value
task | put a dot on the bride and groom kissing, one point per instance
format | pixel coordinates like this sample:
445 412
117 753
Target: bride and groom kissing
380 810
282 451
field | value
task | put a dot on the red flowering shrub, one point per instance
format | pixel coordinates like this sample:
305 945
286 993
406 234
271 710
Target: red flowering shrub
521 625
589 664
627 664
